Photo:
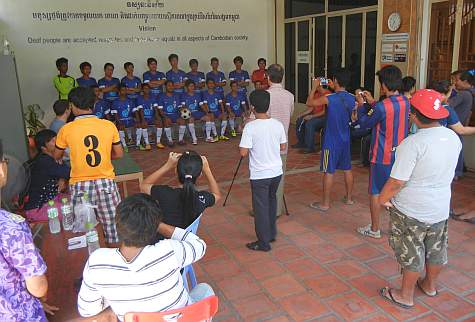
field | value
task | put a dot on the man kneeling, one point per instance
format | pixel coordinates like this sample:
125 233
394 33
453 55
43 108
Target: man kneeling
143 274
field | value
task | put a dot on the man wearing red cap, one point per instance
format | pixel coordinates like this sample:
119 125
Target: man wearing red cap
417 195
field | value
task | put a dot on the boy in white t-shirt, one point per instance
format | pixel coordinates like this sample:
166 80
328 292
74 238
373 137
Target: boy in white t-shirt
263 139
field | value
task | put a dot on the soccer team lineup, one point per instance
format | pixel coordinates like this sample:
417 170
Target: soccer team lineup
160 102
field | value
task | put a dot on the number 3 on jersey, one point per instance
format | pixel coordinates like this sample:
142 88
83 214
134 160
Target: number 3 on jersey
93 158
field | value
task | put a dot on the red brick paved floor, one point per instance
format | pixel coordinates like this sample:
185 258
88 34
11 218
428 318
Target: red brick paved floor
319 269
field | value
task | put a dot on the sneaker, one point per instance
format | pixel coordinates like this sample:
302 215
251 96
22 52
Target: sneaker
223 138
160 146
215 139
140 147
148 147
233 133
194 142
181 142
366 231
170 144
210 140
126 149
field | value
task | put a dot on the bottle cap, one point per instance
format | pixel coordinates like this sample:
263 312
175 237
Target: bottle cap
51 203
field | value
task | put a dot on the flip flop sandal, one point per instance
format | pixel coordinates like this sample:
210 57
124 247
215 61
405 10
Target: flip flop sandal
316 206
425 292
385 291
347 202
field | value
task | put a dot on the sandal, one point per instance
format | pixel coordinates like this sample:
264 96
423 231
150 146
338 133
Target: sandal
347 202
424 291
255 246
317 206
385 291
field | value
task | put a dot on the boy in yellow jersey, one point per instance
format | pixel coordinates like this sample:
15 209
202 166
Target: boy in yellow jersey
93 143
63 82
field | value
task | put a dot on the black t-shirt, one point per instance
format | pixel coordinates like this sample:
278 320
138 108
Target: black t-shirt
170 202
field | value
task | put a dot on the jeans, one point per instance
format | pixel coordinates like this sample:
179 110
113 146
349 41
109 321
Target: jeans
200 292
306 130
280 190
459 168
264 204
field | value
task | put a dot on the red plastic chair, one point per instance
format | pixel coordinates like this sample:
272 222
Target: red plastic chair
203 310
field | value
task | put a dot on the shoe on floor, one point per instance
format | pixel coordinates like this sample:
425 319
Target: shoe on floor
366 231
255 246
140 147
170 144
223 138
215 139
160 146
233 133
126 149
181 142
194 142
148 147
210 140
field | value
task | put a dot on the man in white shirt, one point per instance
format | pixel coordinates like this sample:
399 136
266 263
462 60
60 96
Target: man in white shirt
142 275
417 195
263 139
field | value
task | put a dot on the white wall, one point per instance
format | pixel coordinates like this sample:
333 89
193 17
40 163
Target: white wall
254 27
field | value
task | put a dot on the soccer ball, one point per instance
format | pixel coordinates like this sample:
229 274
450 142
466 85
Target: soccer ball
185 114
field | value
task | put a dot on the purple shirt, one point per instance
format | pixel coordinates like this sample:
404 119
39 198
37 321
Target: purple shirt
19 259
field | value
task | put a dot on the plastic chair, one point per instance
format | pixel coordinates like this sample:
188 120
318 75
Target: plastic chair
188 270
203 310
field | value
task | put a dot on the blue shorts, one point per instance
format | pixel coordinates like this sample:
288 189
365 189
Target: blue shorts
197 115
173 117
378 175
127 123
216 114
335 159
150 121
237 113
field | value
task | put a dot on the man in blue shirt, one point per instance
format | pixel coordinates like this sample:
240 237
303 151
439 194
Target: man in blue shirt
169 105
101 107
336 153
193 101
146 106
132 83
213 103
240 76
86 80
154 78
196 76
123 109
217 76
176 75
109 85
236 103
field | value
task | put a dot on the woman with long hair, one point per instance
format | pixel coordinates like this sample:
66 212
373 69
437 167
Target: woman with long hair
181 206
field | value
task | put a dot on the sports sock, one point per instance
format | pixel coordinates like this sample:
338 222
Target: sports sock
191 127
129 133
168 133
224 124
213 129
145 136
159 134
138 136
231 123
181 132
122 138
208 130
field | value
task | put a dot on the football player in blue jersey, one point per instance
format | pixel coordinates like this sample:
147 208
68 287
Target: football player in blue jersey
217 76
240 76
109 85
146 106
176 75
131 82
236 104
123 110
169 105
101 107
196 76
154 78
86 80
193 102
213 102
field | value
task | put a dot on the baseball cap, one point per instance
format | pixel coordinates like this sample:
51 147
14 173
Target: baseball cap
429 103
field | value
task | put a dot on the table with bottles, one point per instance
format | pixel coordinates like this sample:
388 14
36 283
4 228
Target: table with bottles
65 266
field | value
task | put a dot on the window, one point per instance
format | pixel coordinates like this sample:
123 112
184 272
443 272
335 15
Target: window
290 57
370 50
354 25
335 5
298 8
334 44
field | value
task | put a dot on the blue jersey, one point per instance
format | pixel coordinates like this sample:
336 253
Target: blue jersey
101 108
170 105
337 128
149 76
91 81
236 103
148 106
124 109
103 83
198 78
450 120
242 75
213 100
177 77
218 77
131 83
193 102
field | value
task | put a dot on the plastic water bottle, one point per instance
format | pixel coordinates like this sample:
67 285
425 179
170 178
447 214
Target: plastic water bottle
92 239
53 218
91 221
68 216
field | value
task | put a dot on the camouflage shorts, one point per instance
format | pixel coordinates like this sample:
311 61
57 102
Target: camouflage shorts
415 243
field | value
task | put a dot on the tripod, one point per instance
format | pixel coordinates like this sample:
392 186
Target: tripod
232 182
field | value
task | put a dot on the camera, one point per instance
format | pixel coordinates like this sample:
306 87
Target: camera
323 81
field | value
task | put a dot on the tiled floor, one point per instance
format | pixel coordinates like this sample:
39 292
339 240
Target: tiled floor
319 269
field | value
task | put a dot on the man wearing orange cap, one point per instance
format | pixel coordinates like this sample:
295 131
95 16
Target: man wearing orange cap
417 196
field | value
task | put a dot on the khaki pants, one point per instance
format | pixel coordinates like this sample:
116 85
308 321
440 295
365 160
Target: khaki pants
280 190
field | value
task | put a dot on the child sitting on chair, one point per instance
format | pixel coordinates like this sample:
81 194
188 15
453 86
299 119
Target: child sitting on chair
181 206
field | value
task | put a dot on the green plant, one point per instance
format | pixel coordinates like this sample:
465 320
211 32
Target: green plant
33 116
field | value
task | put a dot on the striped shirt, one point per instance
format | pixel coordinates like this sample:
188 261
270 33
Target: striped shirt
281 106
151 282
389 120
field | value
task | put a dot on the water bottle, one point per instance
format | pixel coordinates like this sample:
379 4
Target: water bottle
91 221
68 216
92 239
53 218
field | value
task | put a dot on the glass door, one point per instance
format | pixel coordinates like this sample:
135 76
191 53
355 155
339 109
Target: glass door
303 59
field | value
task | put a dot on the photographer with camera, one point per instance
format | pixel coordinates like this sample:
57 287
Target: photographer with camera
389 120
336 152
181 206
